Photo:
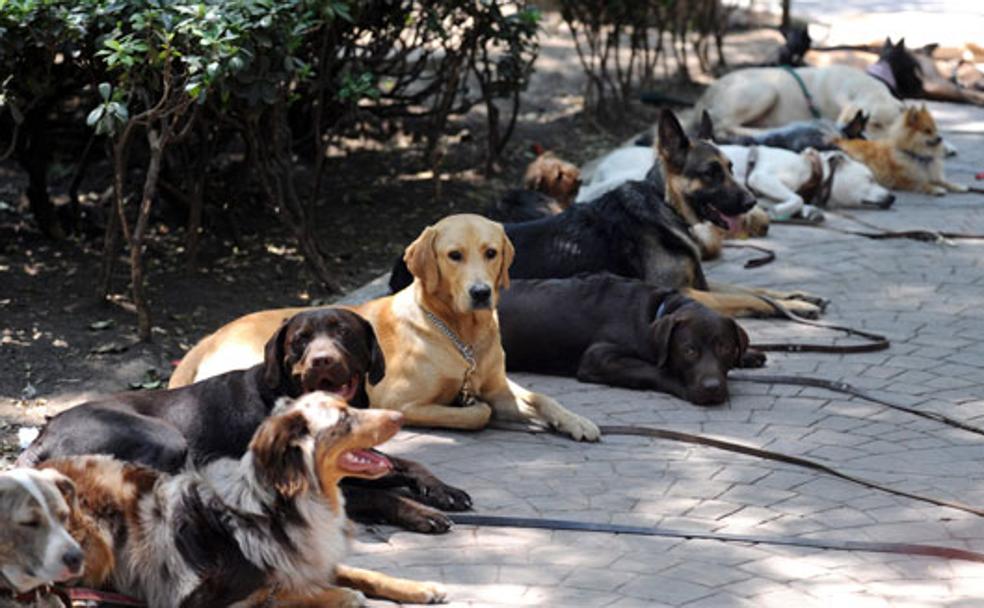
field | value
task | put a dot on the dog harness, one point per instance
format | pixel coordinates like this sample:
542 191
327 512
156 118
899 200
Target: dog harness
466 395
814 110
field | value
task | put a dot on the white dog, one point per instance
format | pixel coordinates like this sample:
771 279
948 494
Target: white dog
773 97
778 179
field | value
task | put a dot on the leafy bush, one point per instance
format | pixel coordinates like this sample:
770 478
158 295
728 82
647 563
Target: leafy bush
179 78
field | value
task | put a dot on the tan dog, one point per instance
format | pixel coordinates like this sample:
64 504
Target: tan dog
554 177
911 158
772 97
459 266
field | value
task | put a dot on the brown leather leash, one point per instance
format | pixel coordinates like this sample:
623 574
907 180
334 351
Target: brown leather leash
81 597
847 389
730 446
880 234
921 550
768 258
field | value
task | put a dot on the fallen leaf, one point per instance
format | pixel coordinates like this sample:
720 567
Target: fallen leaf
99 325
110 347
29 392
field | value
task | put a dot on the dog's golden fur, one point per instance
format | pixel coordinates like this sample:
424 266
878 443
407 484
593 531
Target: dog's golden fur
157 537
554 177
424 370
910 158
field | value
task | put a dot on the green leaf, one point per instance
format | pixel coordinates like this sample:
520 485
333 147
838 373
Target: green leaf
105 90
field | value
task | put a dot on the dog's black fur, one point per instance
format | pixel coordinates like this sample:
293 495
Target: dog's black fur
798 42
905 69
170 430
522 206
632 231
612 330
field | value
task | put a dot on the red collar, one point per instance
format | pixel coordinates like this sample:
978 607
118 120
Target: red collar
29 597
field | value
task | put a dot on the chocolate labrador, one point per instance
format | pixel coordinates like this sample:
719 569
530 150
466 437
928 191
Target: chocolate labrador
612 330
327 349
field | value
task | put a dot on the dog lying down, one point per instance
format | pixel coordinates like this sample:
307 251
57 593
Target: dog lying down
910 158
266 529
319 349
36 549
612 330
778 177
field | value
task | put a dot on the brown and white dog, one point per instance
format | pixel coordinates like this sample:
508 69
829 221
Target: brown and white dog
36 549
459 265
267 529
910 158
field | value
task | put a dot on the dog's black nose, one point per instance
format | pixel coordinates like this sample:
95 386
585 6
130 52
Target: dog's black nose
73 560
712 392
481 294
888 201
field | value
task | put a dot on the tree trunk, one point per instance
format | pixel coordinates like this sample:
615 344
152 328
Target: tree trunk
33 156
156 143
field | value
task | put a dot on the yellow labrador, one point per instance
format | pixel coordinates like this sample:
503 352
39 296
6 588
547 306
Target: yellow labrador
426 332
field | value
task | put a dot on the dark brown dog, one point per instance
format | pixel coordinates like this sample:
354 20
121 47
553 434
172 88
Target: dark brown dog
329 349
611 330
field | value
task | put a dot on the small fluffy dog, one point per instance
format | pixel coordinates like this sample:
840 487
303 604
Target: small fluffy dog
36 548
267 529
785 182
910 158
554 177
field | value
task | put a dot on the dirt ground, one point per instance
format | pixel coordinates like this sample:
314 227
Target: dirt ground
59 345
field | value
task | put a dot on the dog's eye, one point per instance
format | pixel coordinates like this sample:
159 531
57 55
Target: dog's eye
34 523
689 352
713 171
491 253
455 256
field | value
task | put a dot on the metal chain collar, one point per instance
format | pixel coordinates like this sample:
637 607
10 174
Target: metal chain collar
466 396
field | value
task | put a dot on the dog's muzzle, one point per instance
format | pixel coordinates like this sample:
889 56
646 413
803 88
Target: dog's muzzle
481 296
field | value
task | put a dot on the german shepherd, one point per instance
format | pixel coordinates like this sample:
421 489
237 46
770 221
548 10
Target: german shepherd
642 230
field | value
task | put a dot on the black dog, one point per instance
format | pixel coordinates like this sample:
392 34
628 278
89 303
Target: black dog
522 206
326 349
611 330
638 230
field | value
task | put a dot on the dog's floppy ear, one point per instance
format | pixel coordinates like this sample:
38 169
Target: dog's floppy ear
662 334
377 362
273 357
278 454
508 253
65 486
673 142
706 130
421 259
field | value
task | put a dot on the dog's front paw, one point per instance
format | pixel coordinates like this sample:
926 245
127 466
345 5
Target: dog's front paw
413 516
807 310
578 427
752 359
802 296
430 593
442 496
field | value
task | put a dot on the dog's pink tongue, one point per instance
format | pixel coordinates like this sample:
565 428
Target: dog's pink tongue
734 223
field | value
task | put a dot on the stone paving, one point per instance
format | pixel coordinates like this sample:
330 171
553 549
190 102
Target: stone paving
925 297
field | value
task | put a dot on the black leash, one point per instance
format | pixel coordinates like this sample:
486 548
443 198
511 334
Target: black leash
876 342
847 389
768 258
833 545
878 233
730 446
